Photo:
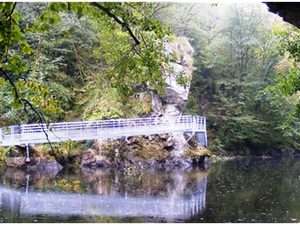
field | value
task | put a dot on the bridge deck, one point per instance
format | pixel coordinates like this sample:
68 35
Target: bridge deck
89 130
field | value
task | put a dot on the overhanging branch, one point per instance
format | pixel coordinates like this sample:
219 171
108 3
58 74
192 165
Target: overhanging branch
26 102
110 14
12 10
12 83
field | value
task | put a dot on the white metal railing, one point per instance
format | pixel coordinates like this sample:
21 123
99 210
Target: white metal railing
88 130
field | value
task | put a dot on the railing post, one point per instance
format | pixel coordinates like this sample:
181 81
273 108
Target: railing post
1 138
67 131
20 132
195 123
205 131
11 133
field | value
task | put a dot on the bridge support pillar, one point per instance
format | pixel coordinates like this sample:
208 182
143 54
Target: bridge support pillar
202 138
186 141
117 149
27 154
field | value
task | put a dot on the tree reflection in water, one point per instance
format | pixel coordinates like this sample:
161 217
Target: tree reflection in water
84 196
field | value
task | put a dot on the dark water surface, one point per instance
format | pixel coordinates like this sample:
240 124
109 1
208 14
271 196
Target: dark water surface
241 190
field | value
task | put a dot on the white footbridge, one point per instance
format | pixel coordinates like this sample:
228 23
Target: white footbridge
39 133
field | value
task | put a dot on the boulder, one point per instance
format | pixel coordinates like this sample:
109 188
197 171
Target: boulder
15 161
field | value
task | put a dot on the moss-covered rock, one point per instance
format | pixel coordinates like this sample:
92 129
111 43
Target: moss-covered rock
144 151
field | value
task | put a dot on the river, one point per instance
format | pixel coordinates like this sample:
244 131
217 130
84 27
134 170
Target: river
239 190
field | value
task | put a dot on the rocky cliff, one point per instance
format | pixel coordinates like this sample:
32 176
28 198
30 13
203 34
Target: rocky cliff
174 99
162 149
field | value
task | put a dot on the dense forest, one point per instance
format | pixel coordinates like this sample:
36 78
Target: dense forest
241 82
62 61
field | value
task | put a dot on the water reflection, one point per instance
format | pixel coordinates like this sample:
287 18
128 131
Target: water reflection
168 195
252 190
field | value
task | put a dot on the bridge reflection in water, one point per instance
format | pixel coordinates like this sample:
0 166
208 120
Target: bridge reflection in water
182 197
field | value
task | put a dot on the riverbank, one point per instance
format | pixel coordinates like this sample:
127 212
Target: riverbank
136 153
268 154
139 153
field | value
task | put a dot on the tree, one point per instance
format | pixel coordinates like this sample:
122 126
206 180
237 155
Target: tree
140 36
234 66
288 84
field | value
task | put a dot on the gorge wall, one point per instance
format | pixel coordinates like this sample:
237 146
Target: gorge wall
161 149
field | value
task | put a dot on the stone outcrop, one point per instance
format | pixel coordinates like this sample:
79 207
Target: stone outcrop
38 162
35 164
91 159
174 99
173 102
15 161
161 150
289 11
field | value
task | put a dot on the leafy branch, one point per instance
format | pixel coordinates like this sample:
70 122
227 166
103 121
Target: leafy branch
27 103
124 25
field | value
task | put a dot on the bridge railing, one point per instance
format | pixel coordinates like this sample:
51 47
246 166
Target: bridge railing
87 130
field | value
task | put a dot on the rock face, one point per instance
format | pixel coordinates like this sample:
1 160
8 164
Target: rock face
37 161
36 164
161 150
289 11
93 160
174 100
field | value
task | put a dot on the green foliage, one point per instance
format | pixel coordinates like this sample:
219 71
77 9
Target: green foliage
127 65
64 152
50 52
130 47
191 106
15 57
104 106
288 83
235 63
3 152
139 105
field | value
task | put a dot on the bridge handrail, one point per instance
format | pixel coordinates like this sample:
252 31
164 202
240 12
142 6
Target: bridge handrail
111 123
185 123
